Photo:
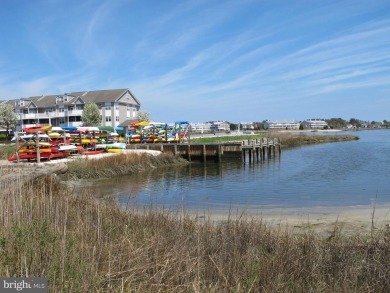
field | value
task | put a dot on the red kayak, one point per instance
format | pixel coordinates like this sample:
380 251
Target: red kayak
92 152
37 128
34 156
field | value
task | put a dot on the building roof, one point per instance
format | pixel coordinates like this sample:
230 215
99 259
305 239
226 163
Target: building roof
99 96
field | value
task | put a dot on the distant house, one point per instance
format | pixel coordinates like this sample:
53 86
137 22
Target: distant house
116 106
247 126
270 125
220 126
200 127
314 124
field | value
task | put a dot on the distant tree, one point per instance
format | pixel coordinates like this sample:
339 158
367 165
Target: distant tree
336 123
8 118
143 116
233 126
301 126
258 125
355 122
91 115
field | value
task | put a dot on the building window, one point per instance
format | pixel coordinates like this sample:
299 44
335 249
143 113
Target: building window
117 118
61 109
117 106
108 119
108 106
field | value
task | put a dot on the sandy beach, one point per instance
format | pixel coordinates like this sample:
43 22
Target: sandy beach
350 220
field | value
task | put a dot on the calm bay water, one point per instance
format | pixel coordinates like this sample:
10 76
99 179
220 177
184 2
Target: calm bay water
325 175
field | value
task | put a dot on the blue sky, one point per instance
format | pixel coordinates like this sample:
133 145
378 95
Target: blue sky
204 60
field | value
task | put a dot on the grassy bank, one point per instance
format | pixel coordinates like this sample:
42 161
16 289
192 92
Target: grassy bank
287 140
227 138
121 164
300 140
6 151
83 245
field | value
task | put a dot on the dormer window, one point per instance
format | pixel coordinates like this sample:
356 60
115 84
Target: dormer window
20 103
65 98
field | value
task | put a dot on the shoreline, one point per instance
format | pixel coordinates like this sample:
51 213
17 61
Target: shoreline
348 219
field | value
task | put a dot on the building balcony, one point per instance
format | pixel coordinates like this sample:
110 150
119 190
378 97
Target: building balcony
75 112
57 114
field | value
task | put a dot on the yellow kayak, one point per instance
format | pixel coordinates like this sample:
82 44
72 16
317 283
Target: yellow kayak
114 150
54 135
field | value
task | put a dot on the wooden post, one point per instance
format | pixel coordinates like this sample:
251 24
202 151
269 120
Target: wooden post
17 147
189 152
37 148
219 153
204 153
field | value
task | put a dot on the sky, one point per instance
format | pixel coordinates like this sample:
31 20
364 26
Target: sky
205 60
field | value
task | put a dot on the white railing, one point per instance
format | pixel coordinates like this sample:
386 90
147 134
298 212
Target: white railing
51 114
75 112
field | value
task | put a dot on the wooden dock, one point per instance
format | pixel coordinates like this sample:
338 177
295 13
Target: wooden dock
249 151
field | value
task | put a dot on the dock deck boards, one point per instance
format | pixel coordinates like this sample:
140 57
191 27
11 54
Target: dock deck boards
257 149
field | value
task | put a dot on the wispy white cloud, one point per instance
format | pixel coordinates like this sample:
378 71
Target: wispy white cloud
199 54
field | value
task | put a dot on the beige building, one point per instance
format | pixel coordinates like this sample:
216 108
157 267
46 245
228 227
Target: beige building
116 106
269 125
315 123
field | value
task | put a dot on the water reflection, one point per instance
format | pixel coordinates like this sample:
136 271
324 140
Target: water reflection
332 174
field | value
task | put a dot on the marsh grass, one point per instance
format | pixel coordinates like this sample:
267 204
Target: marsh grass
121 164
289 140
84 245
7 151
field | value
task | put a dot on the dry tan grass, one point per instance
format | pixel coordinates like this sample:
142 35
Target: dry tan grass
121 164
84 245
294 140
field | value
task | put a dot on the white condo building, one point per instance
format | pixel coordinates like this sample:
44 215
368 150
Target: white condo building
314 123
281 125
116 106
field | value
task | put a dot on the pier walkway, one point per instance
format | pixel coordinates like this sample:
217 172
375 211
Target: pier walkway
248 150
